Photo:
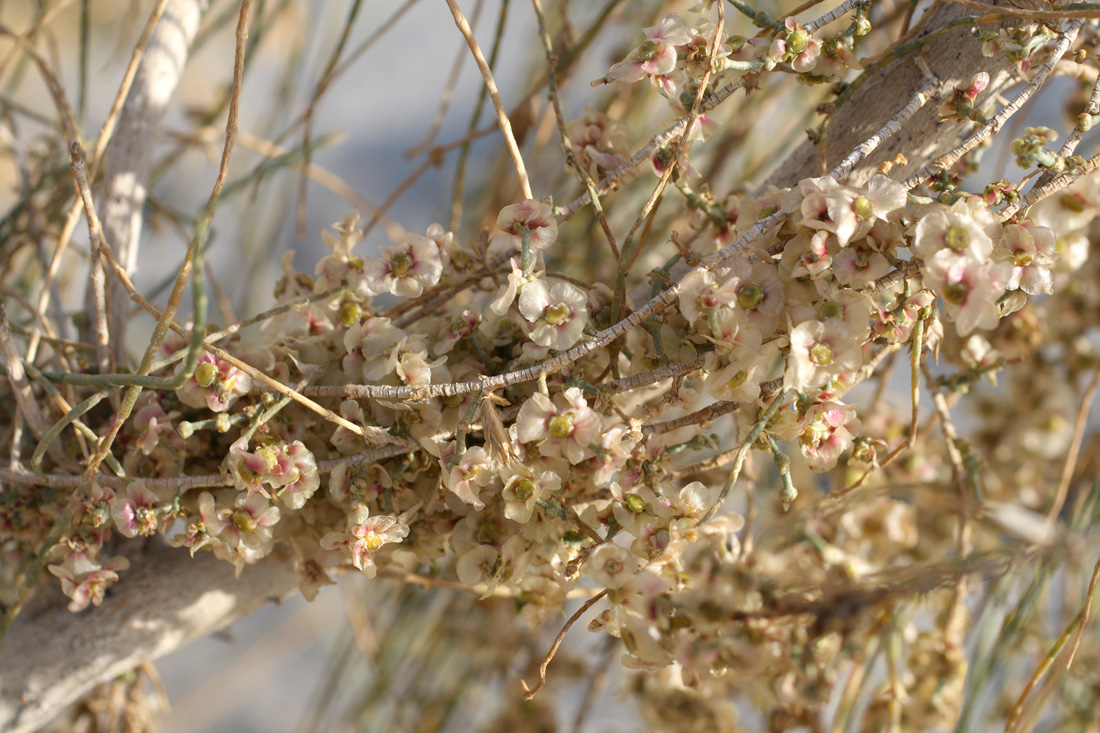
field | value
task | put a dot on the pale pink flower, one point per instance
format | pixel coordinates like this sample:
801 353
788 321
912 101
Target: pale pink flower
851 306
1030 249
153 424
737 375
476 564
342 264
365 536
97 507
137 512
828 430
796 46
759 293
466 476
302 477
820 351
532 219
559 312
828 206
835 60
970 289
701 293
462 324
199 531
566 431
214 385
405 269
523 487
611 566
289 469
810 256
371 347
859 264
516 280
599 142
85 581
961 228
245 528
657 55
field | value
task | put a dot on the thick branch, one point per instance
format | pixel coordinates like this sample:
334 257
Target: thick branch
52 656
126 175
954 57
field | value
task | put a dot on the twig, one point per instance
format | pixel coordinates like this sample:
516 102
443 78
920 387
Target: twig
530 692
1075 447
490 84
566 143
327 77
1077 627
1038 193
695 418
743 451
95 236
636 381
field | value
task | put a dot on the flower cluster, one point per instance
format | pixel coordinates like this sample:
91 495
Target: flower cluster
709 438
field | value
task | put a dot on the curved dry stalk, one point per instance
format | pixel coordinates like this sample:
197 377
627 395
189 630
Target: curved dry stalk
530 692
567 145
130 398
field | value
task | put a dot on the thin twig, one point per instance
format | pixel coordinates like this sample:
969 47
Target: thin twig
1075 447
490 84
98 243
530 692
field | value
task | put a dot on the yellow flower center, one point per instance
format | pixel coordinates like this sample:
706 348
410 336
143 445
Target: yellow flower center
561 427
821 354
524 489
244 521
635 503
400 263
956 293
557 314
798 41
146 519
205 374
269 457
958 238
488 533
750 296
863 208
830 309
738 379
372 541
349 313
